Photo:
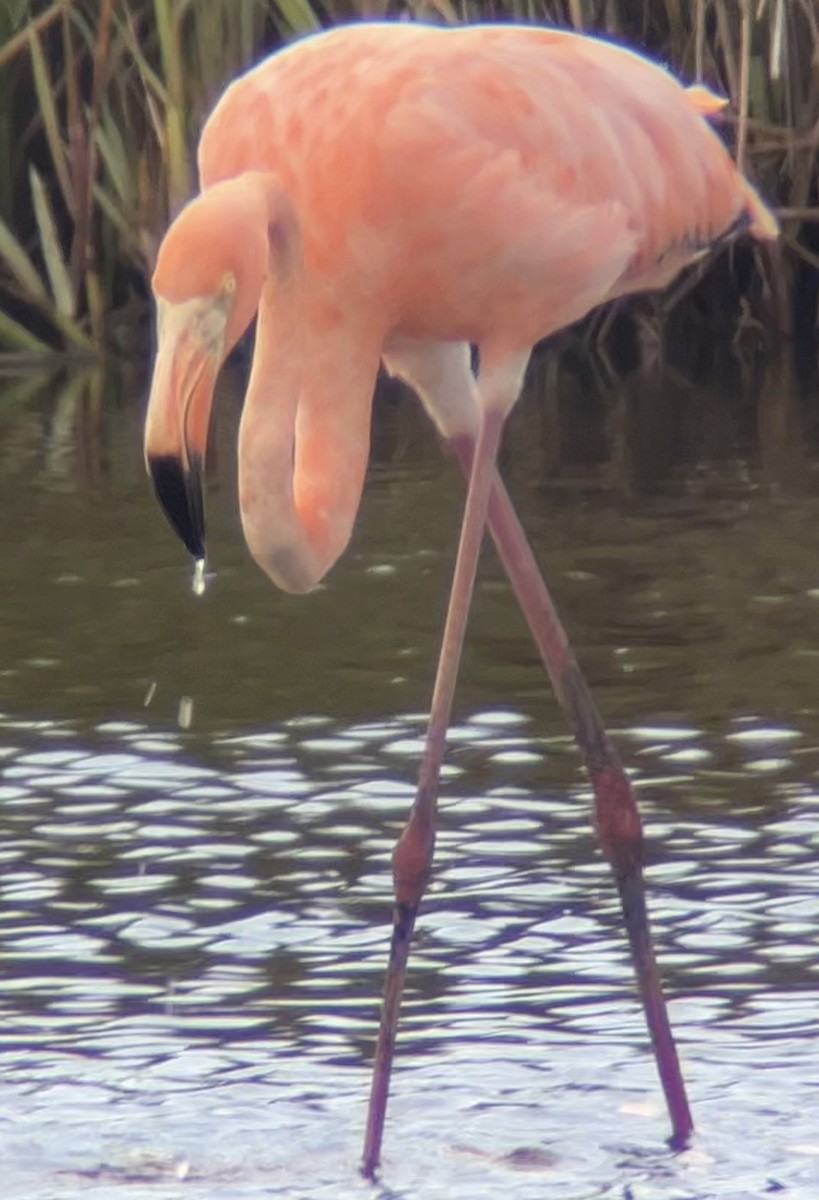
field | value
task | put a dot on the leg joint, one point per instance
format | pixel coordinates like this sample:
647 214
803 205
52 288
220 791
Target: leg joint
412 862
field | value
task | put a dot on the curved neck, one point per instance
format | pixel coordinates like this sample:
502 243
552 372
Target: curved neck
304 437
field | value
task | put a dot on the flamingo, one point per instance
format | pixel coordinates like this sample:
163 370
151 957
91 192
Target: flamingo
397 194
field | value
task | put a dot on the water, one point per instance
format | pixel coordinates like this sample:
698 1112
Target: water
199 797
199 583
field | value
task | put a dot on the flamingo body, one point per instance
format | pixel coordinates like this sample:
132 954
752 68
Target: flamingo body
483 184
397 193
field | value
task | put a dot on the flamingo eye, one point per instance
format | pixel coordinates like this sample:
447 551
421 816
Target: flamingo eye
228 286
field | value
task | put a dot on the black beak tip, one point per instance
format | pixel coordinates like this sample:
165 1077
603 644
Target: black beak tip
179 492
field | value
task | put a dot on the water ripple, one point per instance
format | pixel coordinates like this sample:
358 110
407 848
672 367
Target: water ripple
174 926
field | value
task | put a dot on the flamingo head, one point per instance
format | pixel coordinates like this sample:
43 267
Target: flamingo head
208 281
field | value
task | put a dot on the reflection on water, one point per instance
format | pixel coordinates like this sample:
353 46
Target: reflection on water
199 798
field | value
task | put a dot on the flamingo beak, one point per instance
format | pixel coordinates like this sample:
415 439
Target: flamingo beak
176 427
179 492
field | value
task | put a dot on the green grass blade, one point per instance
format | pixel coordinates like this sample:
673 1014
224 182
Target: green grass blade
122 220
48 114
64 297
16 44
14 336
20 265
176 151
298 14
149 78
118 165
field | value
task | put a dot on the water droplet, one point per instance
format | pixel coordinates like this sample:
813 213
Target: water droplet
199 581
185 713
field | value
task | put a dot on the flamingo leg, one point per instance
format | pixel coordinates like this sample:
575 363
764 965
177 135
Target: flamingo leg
616 814
412 858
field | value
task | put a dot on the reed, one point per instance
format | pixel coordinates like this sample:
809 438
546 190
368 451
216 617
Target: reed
101 102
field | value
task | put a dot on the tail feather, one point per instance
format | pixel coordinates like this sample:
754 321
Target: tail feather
706 102
758 218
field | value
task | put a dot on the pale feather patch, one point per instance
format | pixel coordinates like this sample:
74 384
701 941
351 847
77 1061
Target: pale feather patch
441 376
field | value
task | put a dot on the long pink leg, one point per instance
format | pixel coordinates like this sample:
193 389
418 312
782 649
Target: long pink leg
616 815
413 853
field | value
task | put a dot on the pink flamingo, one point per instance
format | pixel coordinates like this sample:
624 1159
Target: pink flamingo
396 193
